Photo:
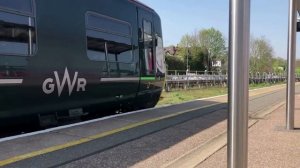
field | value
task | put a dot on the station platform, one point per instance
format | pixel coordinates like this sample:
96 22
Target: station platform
191 134
270 144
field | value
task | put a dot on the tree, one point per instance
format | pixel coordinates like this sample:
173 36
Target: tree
186 48
198 57
261 54
279 65
297 63
200 48
214 42
174 63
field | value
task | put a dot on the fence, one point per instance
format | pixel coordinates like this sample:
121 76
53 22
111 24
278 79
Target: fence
176 80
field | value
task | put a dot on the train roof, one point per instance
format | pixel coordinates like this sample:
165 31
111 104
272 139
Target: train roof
142 5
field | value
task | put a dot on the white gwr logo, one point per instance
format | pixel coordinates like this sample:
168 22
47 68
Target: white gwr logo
49 85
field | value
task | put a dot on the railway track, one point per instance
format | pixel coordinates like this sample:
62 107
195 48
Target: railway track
31 128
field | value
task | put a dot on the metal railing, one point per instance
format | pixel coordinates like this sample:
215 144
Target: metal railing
178 80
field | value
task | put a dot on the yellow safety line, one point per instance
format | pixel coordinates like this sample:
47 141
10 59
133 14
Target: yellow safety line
93 137
101 135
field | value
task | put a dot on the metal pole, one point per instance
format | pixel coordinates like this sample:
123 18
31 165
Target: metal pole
238 96
290 98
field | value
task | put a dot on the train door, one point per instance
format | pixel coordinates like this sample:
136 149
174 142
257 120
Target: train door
146 44
147 58
110 42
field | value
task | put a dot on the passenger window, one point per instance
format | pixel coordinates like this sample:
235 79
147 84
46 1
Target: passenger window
108 39
17 5
17 32
108 24
119 52
96 47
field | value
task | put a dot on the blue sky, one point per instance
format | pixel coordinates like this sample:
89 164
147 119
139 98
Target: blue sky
180 17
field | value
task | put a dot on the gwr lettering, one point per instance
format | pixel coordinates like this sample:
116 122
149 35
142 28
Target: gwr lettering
49 85
81 84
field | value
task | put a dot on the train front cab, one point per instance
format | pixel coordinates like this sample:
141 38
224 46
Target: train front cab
151 58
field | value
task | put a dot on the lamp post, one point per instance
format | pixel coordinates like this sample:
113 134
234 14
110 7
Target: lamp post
187 63
208 63
187 58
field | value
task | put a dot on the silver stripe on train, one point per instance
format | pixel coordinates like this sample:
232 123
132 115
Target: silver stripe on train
118 79
10 81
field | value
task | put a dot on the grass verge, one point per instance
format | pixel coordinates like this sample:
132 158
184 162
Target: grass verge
176 97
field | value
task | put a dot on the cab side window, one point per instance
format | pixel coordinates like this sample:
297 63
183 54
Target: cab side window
17 28
148 48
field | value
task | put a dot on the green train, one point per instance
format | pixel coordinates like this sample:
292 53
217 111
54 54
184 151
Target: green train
70 58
